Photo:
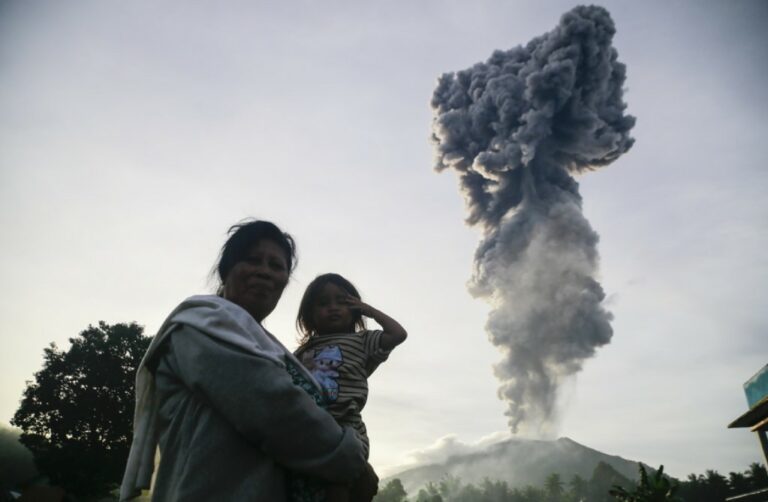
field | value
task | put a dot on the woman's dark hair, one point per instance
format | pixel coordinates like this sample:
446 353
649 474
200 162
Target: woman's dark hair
244 235
304 321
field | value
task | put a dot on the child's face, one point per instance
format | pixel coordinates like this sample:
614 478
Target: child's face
330 313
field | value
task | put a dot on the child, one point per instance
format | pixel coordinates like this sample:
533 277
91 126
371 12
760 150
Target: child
341 353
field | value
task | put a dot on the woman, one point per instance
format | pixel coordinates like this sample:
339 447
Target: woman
217 393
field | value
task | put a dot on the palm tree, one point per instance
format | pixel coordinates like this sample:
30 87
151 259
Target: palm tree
554 487
758 476
579 488
738 482
656 489
717 485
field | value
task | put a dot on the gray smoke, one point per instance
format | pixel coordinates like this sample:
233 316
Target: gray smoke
516 129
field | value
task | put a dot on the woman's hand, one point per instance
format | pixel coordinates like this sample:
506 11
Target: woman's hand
366 486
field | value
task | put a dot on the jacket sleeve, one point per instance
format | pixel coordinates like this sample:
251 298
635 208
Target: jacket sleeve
258 398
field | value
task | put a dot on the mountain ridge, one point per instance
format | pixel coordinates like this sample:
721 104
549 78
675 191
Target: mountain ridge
519 462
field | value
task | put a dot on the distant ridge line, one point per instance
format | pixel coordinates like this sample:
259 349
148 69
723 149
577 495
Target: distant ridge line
519 462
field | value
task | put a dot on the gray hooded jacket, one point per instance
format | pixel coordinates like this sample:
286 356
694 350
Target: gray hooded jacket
227 417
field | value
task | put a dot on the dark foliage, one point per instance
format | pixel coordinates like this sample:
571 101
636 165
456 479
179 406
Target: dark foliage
654 486
603 479
714 487
77 414
392 492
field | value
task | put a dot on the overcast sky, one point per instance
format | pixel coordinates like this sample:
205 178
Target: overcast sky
133 134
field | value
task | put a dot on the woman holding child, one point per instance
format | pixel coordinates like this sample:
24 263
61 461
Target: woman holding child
231 409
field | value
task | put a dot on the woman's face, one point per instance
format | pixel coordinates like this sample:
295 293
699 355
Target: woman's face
257 281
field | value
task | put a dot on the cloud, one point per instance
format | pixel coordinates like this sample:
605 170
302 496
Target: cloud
450 445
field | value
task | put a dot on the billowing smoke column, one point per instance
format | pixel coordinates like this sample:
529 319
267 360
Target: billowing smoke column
516 129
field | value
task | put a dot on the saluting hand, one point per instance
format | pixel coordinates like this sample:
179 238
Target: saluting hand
360 306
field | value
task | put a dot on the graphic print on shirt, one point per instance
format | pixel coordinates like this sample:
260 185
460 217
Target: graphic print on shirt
324 364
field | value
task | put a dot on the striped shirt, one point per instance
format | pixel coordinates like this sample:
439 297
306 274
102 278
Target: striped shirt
342 363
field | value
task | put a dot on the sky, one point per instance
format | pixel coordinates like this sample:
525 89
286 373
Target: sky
133 134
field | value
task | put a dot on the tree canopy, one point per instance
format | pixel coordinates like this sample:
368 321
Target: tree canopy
652 486
655 488
392 492
77 413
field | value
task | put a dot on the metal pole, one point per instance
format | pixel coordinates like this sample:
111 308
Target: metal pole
764 443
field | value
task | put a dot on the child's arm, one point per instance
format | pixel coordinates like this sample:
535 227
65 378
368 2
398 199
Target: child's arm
393 334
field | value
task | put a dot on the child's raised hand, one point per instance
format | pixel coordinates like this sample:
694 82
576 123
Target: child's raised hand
359 305
393 334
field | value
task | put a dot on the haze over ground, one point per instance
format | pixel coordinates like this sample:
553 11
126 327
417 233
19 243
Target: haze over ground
132 135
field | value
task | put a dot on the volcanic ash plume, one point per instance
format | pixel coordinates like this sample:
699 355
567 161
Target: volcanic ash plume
516 129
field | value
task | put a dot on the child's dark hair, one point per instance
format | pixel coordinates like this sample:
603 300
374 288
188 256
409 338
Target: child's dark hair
304 321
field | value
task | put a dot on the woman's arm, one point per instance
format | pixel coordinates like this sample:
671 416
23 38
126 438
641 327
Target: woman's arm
258 398
393 333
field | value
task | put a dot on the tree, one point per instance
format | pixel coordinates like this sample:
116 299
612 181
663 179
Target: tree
496 491
392 492
449 486
554 487
429 494
656 489
533 494
603 478
579 488
758 476
694 488
717 486
738 483
76 416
